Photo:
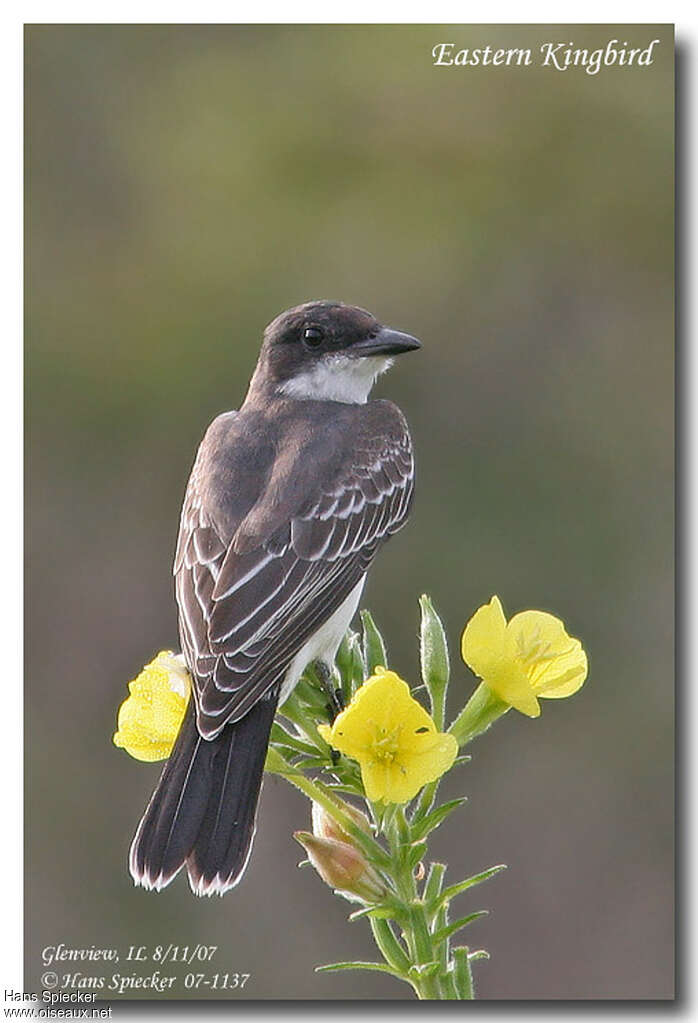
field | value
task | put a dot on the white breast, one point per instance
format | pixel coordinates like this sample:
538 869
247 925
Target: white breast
324 643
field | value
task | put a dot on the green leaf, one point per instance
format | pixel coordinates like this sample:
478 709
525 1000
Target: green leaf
457 925
462 973
304 717
281 737
424 969
387 817
287 751
432 886
311 763
392 950
443 945
350 664
275 763
425 801
348 787
279 733
436 668
465 759
479 953
377 967
343 663
416 853
455 889
379 912
375 653
358 665
308 691
436 817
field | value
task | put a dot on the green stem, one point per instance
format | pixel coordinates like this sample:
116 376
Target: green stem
415 924
411 932
481 710
422 938
425 952
276 764
447 984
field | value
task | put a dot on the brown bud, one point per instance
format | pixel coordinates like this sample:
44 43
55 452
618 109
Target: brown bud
325 826
342 867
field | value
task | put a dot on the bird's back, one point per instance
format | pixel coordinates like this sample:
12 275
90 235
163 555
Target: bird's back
256 470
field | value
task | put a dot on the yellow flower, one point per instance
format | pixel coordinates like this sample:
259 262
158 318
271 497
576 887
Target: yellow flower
520 660
392 737
150 717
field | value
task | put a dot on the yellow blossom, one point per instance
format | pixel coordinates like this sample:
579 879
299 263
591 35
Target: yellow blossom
527 657
150 717
392 737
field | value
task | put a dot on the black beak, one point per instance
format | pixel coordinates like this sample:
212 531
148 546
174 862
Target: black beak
386 342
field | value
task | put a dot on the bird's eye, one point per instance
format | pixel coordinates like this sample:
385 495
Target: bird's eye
313 336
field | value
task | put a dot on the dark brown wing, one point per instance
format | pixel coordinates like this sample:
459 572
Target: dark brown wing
244 616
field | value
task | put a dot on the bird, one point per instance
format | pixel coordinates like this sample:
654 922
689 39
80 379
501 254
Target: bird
288 501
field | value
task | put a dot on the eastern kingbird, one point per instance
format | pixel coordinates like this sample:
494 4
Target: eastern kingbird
287 503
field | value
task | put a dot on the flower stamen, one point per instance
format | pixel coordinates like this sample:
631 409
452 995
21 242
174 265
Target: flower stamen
396 759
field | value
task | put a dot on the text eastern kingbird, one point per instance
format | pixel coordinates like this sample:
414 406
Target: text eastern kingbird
287 503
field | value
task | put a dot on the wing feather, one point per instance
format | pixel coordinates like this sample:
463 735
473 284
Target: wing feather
245 616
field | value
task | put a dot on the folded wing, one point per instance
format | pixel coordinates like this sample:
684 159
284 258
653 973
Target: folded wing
245 614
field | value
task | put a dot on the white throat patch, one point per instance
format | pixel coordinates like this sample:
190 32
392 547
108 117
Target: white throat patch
338 378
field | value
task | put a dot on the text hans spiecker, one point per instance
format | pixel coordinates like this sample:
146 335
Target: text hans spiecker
560 56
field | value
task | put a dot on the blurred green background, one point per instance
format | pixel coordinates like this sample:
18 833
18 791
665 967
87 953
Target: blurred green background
184 185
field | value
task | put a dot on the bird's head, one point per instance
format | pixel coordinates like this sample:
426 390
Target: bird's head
326 351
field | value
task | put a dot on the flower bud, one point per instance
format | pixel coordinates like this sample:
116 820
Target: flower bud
342 867
325 826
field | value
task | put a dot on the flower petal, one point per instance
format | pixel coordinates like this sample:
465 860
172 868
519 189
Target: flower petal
393 738
326 732
150 718
374 775
554 662
405 781
482 644
566 675
401 784
383 701
508 681
401 780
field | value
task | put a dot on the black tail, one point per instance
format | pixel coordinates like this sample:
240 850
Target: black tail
203 810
